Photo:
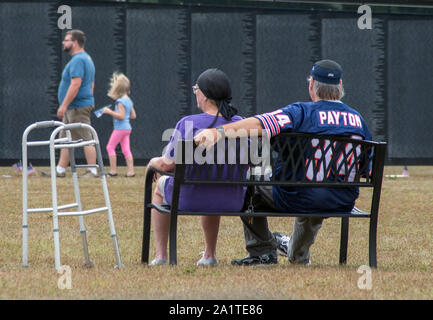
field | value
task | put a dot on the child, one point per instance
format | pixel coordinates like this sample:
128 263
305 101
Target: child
124 110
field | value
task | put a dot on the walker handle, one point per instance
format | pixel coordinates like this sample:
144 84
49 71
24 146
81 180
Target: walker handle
47 124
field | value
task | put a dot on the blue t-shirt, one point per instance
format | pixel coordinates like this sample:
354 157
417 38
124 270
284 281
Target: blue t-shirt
123 124
80 66
197 198
323 117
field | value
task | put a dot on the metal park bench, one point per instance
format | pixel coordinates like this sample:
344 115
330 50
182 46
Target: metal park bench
313 160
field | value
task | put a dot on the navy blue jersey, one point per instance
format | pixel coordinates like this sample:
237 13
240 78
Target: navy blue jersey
323 117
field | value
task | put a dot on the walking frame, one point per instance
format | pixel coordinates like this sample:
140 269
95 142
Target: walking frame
60 143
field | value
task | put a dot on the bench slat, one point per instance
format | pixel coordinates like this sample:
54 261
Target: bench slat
355 213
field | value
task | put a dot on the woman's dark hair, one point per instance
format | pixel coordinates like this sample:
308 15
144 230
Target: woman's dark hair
215 85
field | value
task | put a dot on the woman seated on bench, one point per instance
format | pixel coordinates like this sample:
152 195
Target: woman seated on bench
213 95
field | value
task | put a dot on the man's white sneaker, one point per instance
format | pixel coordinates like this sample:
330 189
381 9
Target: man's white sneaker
282 243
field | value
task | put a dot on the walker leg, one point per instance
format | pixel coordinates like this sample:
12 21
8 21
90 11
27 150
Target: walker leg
55 209
108 205
25 246
25 229
87 262
117 252
57 264
25 205
112 229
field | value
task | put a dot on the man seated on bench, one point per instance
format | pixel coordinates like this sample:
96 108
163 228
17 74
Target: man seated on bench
213 95
325 115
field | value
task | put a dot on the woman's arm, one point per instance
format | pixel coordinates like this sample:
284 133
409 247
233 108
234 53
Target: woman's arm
160 163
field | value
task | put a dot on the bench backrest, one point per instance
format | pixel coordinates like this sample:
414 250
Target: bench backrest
294 159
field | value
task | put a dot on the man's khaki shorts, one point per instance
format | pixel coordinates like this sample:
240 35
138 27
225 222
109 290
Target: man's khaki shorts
78 115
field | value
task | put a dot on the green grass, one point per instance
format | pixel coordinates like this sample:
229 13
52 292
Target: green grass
405 247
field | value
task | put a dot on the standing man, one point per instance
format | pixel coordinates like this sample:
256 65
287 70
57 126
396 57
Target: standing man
75 95
326 90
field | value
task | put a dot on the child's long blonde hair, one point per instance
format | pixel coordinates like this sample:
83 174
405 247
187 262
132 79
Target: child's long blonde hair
119 86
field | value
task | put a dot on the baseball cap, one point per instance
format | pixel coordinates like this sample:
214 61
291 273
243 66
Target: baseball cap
327 71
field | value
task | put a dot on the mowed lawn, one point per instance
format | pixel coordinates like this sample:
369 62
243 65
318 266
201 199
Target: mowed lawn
405 248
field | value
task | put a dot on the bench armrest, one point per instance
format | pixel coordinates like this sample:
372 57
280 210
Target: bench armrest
148 180
152 170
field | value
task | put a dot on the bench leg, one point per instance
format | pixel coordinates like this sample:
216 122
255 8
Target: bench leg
146 235
173 239
344 239
372 244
